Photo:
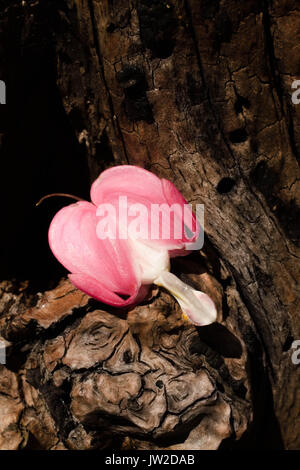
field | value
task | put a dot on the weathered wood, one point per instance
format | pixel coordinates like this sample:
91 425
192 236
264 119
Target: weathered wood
198 92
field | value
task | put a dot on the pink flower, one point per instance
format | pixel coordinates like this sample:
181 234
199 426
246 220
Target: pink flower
118 269
145 192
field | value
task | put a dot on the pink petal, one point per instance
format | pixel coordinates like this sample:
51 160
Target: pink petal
173 196
74 242
141 184
142 187
208 304
98 291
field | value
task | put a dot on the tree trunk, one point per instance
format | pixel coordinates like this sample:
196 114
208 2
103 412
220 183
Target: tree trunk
199 92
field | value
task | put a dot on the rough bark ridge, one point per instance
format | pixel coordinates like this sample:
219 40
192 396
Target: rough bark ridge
198 92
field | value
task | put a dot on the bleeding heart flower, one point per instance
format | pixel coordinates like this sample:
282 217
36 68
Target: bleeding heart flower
118 270
145 192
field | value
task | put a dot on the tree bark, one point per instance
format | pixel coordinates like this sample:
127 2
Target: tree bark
198 92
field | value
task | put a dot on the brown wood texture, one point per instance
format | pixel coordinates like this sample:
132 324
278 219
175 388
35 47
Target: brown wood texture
198 92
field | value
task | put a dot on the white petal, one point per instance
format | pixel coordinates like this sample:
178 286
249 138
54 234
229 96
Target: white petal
151 260
196 306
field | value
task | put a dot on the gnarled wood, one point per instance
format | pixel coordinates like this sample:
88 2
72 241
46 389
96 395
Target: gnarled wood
198 92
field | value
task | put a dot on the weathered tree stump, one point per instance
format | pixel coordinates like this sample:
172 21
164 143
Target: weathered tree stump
198 92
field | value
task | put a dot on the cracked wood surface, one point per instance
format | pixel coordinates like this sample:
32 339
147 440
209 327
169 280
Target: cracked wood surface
90 377
198 92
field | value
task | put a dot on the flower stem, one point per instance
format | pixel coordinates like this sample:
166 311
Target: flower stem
76 198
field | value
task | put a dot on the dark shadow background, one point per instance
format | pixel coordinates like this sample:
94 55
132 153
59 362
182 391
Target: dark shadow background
40 154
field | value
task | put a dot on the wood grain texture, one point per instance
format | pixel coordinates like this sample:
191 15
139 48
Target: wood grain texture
198 92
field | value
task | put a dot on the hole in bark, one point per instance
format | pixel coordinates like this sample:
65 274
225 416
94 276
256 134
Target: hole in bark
225 185
159 384
241 103
110 28
136 105
238 136
127 356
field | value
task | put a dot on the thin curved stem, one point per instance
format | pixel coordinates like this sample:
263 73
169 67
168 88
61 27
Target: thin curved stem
76 198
